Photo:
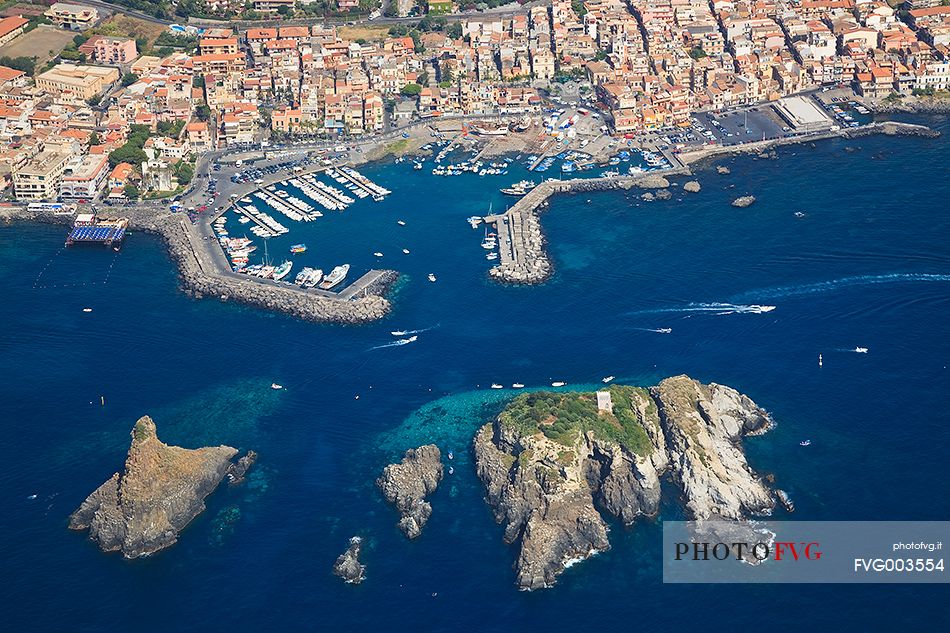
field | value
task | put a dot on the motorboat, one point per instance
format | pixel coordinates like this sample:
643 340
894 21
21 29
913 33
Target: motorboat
495 385
517 385
405 251
431 277
805 443
335 277
377 254
283 270
401 222
607 379
276 386
861 350
558 383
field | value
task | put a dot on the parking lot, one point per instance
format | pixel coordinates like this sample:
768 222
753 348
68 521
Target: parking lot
740 126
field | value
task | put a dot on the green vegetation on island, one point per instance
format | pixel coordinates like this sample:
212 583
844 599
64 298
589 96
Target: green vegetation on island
561 416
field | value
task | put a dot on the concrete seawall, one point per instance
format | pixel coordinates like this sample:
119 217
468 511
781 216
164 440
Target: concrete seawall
203 272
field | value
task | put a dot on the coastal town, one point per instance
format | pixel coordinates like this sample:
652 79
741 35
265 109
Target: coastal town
126 121
127 117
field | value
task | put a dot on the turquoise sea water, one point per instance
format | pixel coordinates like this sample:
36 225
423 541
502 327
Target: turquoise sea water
868 266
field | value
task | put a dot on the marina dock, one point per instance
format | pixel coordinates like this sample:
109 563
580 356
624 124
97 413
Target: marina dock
88 229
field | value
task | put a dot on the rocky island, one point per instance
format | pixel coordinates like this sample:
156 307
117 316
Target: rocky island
348 566
550 460
408 483
143 509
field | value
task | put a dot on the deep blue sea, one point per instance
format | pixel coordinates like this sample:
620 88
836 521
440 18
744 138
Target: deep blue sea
868 266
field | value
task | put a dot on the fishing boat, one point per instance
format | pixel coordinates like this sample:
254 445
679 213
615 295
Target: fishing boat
283 270
431 277
298 248
607 379
558 383
336 276
519 188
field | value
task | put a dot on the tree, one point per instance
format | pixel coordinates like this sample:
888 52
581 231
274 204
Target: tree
94 139
203 112
198 81
23 64
94 100
128 79
128 153
697 53
455 31
184 172
411 90
131 191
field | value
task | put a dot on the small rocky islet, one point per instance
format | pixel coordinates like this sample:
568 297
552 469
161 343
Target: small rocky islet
143 509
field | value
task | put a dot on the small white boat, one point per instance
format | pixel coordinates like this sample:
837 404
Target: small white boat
805 443
819 360
399 333
377 254
87 309
491 256
607 379
558 383
517 385
495 385
861 350
276 386
760 309
451 455
400 222
405 251
431 277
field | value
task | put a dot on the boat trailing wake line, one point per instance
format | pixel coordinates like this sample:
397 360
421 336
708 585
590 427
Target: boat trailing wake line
714 309
402 341
782 292
658 330
410 332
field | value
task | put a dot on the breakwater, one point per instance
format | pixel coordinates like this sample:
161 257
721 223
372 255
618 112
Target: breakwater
204 272
522 258
521 254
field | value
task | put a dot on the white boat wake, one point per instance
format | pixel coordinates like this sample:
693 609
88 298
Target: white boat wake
400 342
658 330
715 309
782 292
411 332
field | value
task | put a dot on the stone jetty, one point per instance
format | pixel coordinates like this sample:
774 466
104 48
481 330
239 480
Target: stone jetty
204 271
521 255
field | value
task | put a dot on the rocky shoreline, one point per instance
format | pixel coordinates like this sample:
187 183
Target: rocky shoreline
201 275
552 463
912 105
161 489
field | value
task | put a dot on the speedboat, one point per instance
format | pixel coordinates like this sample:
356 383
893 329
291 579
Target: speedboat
607 379
495 385
377 254
517 385
861 350
805 443
399 332
401 222
431 277
276 386
558 383
87 309
405 251
760 309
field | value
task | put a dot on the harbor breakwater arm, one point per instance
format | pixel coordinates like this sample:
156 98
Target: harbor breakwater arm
204 271
522 258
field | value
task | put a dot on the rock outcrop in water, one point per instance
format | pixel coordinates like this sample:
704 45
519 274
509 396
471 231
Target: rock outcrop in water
143 509
408 483
348 566
743 201
550 460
